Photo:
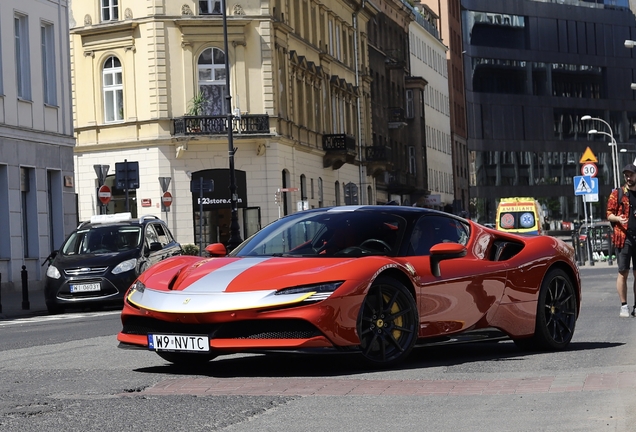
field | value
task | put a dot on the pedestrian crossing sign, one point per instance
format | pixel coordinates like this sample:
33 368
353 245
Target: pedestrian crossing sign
584 185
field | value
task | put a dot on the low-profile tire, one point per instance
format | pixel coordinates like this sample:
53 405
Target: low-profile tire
556 314
388 323
185 359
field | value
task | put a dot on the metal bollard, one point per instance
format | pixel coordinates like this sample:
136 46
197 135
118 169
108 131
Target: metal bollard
589 249
577 249
25 289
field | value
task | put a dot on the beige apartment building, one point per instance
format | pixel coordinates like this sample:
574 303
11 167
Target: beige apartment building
37 193
428 59
150 93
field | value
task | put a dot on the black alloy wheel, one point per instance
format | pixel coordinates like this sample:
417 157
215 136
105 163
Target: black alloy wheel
387 323
556 314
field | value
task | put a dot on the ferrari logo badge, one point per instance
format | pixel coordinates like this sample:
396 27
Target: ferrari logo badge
186 301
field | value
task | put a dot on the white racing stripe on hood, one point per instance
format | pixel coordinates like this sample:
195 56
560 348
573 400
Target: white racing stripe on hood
218 280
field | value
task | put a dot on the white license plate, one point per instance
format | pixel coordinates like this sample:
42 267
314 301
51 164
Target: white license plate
85 287
191 343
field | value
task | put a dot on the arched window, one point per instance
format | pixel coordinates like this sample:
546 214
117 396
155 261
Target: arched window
211 69
113 90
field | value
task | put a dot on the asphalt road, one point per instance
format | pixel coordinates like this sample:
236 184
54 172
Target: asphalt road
66 373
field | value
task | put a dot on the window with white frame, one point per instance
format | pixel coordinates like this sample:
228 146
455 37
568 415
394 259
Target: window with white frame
110 10
320 193
113 90
22 59
212 80
47 38
409 104
412 164
210 7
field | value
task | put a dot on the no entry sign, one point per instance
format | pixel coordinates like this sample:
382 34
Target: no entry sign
104 194
166 199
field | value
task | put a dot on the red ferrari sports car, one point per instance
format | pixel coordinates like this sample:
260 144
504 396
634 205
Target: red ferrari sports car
377 280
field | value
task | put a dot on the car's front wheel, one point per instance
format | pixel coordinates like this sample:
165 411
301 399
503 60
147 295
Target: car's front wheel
387 323
556 314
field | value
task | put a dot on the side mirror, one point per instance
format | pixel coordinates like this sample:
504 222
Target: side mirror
155 246
444 251
216 249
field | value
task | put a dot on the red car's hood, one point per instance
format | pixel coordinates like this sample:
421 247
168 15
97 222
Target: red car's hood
221 284
254 274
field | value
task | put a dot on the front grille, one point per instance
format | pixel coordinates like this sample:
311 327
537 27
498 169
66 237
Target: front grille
85 271
255 329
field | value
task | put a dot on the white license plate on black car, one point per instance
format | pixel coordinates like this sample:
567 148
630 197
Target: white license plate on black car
85 287
172 342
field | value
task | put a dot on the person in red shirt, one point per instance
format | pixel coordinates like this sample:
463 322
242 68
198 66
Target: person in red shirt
622 215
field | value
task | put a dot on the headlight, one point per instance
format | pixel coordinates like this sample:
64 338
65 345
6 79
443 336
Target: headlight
125 266
53 272
321 291
137 286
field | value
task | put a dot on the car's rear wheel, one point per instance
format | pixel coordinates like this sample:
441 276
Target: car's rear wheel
556 314
185 359
387 323
54 309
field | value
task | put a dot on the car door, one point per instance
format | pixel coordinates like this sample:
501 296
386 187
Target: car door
169 245
466 288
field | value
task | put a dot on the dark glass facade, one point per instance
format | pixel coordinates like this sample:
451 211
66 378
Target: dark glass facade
533 69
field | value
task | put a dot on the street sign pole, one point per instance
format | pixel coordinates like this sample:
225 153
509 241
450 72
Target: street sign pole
164 182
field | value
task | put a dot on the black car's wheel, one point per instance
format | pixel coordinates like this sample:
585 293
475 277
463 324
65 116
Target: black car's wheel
556 314
387 323
186 359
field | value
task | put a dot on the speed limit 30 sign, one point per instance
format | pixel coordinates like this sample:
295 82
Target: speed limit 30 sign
589 169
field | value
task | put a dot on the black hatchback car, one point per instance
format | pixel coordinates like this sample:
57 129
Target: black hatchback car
102 258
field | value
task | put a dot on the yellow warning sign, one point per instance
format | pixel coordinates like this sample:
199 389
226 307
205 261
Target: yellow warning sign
588 156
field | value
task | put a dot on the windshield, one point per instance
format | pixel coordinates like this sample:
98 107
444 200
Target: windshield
99 240
327 234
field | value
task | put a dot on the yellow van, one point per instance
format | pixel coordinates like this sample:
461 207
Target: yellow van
521 215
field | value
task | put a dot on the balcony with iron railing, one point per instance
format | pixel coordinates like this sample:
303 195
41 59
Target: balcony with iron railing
377 160
217 124
339 148
401 182
396 118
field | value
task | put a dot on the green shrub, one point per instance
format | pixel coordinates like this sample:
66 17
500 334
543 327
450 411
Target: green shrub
190 249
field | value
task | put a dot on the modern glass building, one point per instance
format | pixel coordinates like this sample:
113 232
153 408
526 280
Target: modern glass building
535 71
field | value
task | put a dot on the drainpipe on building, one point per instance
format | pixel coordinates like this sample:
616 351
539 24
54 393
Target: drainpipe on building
361 168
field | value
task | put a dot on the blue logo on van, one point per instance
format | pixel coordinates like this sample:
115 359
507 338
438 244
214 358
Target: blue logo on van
526 220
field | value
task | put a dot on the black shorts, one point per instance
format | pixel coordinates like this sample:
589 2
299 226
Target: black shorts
626 254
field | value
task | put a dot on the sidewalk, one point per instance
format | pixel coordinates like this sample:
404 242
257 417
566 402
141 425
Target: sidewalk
11 301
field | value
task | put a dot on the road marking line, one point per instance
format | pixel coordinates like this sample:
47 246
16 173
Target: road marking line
47 318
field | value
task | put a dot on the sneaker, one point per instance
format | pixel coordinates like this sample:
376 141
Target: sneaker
634 311
624 311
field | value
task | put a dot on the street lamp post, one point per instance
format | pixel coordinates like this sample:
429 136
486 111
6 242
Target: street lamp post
235 229
612 144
